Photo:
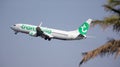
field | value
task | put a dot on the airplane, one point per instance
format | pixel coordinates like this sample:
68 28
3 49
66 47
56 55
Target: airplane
49 33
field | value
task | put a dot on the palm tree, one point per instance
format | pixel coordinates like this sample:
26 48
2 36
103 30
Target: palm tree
113 45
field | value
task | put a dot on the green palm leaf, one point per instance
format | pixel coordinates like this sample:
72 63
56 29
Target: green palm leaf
111 47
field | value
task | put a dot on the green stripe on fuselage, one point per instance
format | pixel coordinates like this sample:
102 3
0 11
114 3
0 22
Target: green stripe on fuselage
46 30
28 27
33 28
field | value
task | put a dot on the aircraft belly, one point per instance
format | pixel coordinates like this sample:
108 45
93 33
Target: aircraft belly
60 36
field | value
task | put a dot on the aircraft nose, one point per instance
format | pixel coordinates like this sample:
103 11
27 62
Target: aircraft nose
12 27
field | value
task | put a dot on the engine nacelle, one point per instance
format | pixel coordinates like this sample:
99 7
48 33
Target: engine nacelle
32 33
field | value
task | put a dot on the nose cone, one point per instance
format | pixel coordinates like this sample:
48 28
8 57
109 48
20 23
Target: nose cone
12 27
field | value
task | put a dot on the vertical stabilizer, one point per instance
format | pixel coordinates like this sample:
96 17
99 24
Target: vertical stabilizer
84 27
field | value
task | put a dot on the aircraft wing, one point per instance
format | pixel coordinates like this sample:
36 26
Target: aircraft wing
43 34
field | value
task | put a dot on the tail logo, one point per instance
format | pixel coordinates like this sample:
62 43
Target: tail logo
84 28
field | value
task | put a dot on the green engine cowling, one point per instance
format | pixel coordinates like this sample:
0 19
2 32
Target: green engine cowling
32 33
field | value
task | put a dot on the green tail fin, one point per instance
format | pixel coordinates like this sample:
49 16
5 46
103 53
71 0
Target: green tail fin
84 27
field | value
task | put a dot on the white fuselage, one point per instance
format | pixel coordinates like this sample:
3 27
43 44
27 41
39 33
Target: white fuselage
52 33
49 33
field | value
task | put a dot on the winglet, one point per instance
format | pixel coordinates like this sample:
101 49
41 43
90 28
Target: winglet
40 24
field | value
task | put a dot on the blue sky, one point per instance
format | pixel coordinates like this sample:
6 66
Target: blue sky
25 51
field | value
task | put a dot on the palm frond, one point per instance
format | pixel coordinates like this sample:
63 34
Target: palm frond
111 47
113 20
109 8
113 3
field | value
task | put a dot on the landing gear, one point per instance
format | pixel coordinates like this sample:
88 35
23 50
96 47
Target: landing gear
47 38
16 32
